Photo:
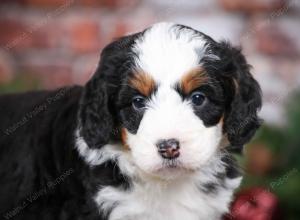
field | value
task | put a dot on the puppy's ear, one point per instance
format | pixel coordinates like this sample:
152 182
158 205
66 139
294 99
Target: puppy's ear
241 120
96 121
97 115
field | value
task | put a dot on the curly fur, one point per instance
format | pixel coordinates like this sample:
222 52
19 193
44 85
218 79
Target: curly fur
86 153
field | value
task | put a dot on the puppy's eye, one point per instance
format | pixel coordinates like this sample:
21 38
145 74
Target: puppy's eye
197 98
138 102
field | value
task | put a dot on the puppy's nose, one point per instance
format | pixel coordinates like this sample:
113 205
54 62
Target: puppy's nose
168 149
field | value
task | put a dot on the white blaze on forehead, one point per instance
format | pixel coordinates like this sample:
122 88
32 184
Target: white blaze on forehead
167 53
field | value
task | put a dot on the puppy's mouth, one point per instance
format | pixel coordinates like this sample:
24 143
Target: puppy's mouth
172 169
171 164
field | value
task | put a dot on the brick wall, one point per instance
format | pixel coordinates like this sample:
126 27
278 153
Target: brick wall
58 42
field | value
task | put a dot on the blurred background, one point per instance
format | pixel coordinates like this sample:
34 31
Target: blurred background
45 44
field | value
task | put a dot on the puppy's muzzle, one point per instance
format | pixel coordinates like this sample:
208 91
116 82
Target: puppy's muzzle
168 149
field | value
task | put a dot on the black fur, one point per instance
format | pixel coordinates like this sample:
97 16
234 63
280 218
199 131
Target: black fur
243 99
42 175
98 114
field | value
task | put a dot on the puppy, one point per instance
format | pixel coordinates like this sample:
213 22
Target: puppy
149 137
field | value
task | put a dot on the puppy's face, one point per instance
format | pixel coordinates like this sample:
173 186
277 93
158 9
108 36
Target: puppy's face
176 125
175 93
171 107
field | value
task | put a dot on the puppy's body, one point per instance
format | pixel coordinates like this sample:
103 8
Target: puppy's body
142 140
36 148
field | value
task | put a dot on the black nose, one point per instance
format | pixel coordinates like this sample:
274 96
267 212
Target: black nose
168 149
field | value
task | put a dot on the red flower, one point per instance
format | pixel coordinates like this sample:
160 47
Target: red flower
254 204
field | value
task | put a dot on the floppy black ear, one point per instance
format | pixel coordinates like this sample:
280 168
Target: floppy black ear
240 120
97 113
96 121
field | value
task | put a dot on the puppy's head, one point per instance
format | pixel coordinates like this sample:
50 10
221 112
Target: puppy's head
172 95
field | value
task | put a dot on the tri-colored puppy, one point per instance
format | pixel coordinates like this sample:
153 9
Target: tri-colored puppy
149 137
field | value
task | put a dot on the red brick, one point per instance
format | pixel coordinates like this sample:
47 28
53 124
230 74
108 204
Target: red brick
97 3
18 2
41 33
46 3
49 35
14 34
253 6
120 29
273 41
84 37
6 68
112 4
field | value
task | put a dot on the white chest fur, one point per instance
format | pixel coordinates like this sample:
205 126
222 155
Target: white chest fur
149 199
161 201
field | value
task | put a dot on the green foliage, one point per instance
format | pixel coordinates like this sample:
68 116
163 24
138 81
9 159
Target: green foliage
19 84
284 178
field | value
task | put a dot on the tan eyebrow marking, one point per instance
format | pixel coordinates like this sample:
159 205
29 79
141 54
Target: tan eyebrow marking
124 138
193 79
143 82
